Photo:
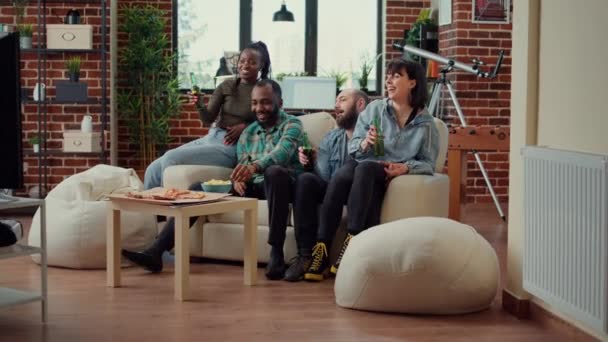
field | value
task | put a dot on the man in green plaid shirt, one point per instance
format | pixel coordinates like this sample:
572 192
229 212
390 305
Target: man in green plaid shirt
268 164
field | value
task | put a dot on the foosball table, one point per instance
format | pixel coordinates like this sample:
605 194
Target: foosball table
463 140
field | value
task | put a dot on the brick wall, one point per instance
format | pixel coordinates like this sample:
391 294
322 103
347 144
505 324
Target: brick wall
60 117
484 102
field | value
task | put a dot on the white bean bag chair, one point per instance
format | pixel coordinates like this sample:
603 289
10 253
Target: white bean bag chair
76 218
421 265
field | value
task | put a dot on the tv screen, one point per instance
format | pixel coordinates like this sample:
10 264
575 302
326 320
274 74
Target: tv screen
11 165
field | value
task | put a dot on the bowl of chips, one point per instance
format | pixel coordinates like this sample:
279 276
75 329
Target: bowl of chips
216 185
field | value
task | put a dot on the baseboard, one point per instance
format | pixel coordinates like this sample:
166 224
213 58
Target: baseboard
519 308
527 309
551 321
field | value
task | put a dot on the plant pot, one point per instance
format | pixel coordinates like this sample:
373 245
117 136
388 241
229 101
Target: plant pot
74 76
25 42
36 148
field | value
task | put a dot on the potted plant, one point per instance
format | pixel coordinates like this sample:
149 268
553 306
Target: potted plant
367 65
35 142
148 95
341 78
413 36
73 66
25 35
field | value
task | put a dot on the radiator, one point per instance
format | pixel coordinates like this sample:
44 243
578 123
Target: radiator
566 232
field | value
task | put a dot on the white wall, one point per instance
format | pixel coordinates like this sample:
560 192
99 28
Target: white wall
559 97
573 73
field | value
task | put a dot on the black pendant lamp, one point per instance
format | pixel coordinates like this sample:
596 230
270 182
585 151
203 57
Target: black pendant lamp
283 14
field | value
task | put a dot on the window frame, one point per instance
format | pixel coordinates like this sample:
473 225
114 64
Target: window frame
310 32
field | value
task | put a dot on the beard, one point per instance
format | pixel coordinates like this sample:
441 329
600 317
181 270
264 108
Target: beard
271 118
348 120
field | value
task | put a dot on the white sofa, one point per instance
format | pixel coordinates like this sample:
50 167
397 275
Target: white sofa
221 236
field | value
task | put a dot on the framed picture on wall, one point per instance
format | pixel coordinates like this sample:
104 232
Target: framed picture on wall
491 11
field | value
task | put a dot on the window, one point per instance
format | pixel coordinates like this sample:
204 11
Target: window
346 40
325 39
203 38
285 40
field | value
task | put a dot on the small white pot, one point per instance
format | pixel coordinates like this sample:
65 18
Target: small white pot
36 148
25 42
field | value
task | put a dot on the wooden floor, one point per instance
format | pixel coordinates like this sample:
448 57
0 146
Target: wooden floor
82 308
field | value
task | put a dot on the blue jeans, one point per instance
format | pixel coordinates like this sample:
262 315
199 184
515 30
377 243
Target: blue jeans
208 150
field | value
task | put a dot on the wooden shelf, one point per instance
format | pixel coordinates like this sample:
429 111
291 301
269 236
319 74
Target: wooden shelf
17 250
58 51
60 152
90 101
10 297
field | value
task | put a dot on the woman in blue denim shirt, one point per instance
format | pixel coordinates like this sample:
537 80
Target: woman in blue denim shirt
411 145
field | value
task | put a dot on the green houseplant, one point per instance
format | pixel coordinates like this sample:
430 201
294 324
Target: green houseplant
367 65
35 142
340 76
413 35
25 35
148 89
73 66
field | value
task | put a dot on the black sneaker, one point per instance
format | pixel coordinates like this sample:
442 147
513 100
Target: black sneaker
335 266
297 268
149 260
275 270
319 264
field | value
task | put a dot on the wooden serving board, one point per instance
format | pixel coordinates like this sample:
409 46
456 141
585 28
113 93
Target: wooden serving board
209 197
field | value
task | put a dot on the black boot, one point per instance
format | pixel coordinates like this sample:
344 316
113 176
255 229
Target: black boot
150 258
320 263
297 267
275 270
336 265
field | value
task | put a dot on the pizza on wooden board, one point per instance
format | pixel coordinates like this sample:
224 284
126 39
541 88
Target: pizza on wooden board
167 195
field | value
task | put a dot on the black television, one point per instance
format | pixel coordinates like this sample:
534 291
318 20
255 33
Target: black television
11 158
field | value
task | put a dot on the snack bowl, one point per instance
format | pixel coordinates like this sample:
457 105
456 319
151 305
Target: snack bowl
215 185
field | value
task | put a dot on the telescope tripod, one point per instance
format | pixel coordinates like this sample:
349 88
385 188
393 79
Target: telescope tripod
433 108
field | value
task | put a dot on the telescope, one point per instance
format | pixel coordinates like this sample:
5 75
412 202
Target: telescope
450 63
443 81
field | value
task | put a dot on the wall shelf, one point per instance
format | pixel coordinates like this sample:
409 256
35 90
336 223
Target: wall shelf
10 296
60 152
90 101
58 51
41 54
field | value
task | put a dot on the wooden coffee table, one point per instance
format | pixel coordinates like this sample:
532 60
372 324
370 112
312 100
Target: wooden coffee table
182 214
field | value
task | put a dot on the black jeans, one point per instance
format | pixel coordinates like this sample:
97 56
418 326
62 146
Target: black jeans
366 196
359 186
277 188
310 190
336 197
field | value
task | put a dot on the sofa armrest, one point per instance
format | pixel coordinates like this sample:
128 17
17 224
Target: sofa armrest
182 176
416 195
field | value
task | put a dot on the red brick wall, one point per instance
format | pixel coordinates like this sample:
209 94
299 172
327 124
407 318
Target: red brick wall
484 102
400 15
60 117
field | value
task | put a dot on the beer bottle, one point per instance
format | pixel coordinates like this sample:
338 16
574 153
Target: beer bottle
307 149
195 89
379 145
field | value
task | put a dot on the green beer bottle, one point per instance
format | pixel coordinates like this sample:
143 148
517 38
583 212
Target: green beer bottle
379 145
307 149
195 89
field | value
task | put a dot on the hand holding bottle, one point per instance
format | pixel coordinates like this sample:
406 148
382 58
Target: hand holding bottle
306 157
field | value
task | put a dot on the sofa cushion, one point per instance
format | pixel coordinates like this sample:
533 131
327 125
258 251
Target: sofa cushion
237 216
423 265
443 144
317 125
225 241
